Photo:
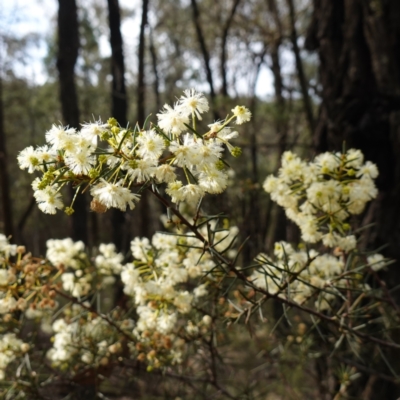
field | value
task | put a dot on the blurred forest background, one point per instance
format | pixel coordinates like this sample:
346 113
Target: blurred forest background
237 52
314 73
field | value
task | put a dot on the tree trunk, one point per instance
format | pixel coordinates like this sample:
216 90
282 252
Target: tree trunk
204 50
119 102
299 67
68 45
154 64
358 43
6 211
141 112
143 214
224 39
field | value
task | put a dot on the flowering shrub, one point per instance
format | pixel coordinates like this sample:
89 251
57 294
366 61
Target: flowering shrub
134 157
184 285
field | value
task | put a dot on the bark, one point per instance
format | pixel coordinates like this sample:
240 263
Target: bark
308 108
119 101
358 43
144 220
141 112
225 32
154 63
203 48
6 211
68 46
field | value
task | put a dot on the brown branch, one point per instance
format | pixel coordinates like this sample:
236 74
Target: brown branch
332 320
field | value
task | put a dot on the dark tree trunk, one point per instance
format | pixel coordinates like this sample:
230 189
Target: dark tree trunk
228 23
358 42
299 67
154 64
141 111
6 212
68 46
143 215
204 50
119 102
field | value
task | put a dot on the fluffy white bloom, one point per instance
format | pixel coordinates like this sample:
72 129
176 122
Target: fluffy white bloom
92 130
130 278
65 252
193 102
354 158
174 190
46 154
114 195
266 278
7 304
242 114
327 162
186 154
28 159
183 302
109 261
80 162
220 133
49 199
163 241
213 181
376 261
166 322
6 248
165 173
58 135
10 348
142 171
140 247
210 152
172 120
369 169
200 291
191 193
151 144
77 285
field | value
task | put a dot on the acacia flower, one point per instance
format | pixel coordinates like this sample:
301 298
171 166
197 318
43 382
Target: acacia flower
93 129
81 162
151 145
193 102
242 114
172 120
49 200
57 135
114 195
28 159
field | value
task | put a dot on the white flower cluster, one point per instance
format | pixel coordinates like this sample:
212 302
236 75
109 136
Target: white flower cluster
135 157
78 277
6 249
91 341
320 196
10 348
301 275
169 277
157 280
